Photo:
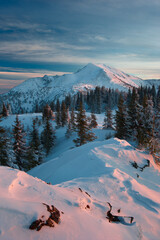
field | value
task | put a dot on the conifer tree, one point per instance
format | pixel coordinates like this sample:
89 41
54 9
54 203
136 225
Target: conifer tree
52 105
158 99
58 113
147 120
69 130
64 115
19 145
48 136
9 109
121 127
5 112
3 147
98 99
82 128
133 111
47 112
72 120
155 140
108 122
93 121
35 152
153 95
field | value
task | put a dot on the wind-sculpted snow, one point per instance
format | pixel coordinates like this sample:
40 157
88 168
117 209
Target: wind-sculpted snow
82 181
49 88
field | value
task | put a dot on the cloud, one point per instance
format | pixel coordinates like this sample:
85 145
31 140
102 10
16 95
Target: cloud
78 32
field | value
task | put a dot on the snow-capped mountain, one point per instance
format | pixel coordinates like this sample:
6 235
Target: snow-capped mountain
81 182
49 88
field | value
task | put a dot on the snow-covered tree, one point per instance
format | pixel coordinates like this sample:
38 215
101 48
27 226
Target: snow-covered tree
108 122
98 99
35 151
93 121
64 115
3 148
72 120
48 136
6 152
121 126
47 112
148 120
19 144
133 111
5 112
145 122
82 128
9 109
58 114
69 130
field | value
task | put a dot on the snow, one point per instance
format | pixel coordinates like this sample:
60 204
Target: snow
101 169
49 88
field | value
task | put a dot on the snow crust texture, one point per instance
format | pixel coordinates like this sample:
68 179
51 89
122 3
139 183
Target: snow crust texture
82 181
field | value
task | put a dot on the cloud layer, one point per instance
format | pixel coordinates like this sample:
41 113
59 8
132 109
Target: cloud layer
68 34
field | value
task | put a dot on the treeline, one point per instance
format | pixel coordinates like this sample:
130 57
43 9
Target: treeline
26 149
138 118
94 100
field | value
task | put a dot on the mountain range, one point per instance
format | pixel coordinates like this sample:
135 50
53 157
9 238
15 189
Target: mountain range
49 88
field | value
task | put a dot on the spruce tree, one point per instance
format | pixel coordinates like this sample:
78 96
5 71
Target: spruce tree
108 122
47 112
35 151
72 120
82 128
158 99
148 120
9 109
48 136
98 99
19 144
64 115
133 110
3 147
5 112
121 127
155 140
69 130
93 121
58 113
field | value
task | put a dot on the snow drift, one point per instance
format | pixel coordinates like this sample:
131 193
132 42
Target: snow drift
90 175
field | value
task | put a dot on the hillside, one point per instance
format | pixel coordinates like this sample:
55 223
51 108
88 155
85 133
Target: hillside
49 88
103 172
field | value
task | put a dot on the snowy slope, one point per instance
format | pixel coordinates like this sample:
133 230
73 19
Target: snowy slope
62 143
49 88
103 170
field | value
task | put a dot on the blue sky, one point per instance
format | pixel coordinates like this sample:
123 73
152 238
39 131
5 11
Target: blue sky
40 37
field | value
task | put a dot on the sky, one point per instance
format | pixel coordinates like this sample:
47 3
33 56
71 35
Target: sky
51 37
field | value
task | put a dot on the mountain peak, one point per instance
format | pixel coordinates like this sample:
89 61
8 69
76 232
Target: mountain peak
49 88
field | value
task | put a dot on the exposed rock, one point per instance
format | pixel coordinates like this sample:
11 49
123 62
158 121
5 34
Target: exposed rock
54 217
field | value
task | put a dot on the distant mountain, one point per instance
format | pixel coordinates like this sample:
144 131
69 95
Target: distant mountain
50 88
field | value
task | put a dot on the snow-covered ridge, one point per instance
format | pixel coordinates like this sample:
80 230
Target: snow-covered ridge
91 175
49 88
